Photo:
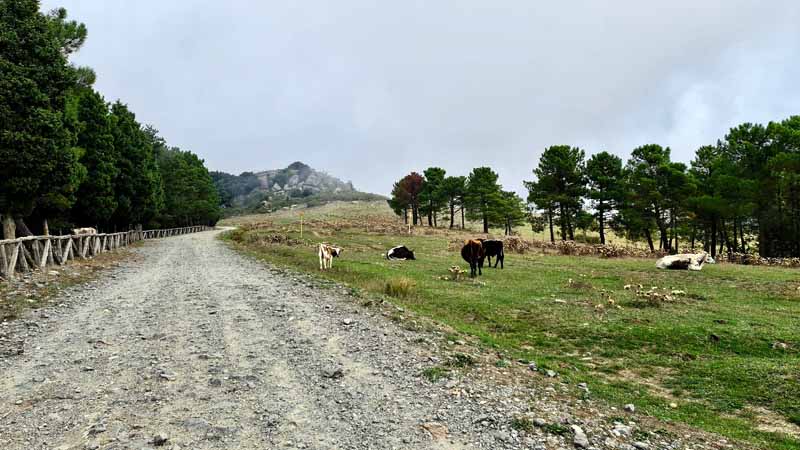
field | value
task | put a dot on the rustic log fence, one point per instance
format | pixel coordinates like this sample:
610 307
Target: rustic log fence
28 254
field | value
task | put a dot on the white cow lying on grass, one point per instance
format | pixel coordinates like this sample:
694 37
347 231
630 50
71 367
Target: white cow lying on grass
326 255
83 231
687 261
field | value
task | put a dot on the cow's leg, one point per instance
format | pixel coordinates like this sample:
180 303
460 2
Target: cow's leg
321 262
502 259
490 260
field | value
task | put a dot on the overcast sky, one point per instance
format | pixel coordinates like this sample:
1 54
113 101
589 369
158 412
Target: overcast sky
368 91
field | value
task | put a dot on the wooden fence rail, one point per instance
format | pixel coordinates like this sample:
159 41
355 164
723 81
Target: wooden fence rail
31 253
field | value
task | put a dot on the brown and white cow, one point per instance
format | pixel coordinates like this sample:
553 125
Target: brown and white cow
472 252
326 254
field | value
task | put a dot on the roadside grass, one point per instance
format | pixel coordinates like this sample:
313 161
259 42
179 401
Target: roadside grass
706 358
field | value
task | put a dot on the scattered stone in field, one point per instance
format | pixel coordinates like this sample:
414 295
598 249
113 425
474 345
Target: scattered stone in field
621 430
97 428
38 379
713 338
332 372
160 439
167 376
579 437
551 373
584 387
215 382
539 422
627 287
673 405
641 445
436 430
347 321
678 292
630 407
502 436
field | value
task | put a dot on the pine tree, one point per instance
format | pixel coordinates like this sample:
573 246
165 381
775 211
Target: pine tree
482 195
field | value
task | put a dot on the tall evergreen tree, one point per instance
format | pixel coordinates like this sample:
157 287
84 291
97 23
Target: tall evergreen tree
605 186
96 197
138 188
432 197
453 191
35 80
560 184
482 195
190 197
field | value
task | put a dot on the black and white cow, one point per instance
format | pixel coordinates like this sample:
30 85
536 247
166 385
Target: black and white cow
400 252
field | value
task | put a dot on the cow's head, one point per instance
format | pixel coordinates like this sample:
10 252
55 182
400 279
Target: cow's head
411 254
336 251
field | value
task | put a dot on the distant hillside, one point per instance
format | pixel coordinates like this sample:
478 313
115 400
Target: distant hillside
275 189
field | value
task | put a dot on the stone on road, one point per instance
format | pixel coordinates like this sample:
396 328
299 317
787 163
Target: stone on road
202 348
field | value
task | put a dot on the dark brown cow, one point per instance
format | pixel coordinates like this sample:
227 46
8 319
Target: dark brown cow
472 252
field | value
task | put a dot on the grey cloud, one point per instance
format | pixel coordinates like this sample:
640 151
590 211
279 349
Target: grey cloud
371 90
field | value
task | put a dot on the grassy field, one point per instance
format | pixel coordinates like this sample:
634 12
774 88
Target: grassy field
722 355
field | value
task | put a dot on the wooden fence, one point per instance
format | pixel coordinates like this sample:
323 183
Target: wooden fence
31 253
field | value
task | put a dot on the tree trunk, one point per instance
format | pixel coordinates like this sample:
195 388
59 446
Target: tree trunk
741 235
563 223
45 228
485 222
694 235
22 228
735 237
462 217
550 219
600 216
452 214
713 244
9 227
414 214
649 237
430 215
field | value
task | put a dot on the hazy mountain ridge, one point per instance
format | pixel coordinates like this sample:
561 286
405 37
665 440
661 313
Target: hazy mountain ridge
301 176
271 189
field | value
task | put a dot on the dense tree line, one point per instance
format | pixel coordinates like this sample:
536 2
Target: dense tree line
67 157
740 195
477 197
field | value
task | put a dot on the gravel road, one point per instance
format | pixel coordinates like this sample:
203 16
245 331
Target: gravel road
193 346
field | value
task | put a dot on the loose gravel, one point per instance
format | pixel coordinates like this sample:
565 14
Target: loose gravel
193 346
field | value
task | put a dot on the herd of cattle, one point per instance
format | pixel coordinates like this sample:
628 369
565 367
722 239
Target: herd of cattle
474 252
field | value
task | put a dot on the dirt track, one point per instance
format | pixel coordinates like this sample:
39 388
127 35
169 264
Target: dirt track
207 349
